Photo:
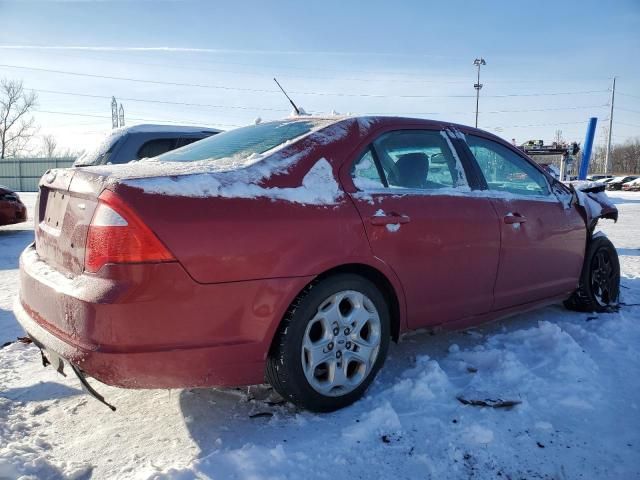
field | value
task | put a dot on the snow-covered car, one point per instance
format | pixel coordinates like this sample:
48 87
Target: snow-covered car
632 186
296 250
598 178
618 182
12 210
125 144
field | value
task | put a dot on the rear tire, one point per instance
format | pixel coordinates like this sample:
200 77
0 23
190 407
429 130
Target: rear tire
599 286
331 343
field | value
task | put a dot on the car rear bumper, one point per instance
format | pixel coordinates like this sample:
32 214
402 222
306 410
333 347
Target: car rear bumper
151 325
12 213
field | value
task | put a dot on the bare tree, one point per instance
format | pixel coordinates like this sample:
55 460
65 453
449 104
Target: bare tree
49 145
16 125
625 158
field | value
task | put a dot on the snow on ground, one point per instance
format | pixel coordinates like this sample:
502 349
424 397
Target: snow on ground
576 376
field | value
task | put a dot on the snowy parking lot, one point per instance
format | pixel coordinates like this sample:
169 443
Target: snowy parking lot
574 378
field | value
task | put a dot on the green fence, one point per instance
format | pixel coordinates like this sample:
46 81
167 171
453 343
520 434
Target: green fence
23 174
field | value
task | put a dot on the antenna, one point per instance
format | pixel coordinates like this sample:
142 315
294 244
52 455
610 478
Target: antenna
288 98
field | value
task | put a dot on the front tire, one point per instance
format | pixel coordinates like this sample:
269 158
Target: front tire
599 287
331 343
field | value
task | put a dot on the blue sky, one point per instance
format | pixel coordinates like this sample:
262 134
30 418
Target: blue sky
549 64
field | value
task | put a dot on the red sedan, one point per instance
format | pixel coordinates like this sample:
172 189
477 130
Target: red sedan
295 250
12 210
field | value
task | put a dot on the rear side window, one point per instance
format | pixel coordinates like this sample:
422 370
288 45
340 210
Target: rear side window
505 170
365 173
156 147
410 159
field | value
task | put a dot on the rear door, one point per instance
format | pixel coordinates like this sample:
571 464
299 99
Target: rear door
420 218
543 238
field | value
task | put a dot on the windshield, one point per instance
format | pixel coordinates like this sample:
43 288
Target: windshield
245 142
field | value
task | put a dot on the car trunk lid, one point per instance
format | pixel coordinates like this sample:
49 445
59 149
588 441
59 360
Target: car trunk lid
67 200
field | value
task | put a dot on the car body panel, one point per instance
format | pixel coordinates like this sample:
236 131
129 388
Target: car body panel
450 245
115 324
541 257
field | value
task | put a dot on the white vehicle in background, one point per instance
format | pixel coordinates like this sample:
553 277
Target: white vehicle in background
632 186
142 141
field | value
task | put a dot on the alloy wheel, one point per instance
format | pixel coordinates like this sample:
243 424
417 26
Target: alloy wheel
341 343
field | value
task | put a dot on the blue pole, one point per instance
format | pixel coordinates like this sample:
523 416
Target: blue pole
586 150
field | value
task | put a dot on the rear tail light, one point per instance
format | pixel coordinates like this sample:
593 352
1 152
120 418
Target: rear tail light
117 235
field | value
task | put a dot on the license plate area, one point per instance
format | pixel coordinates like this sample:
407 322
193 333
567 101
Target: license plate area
55 209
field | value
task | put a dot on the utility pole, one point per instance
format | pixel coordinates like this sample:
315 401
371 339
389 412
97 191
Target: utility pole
607 165
478 62
114 113
121 115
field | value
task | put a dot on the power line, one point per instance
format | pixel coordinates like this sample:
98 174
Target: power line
237 107
269 75
272 67
199 67
254 90
586 107
157 82
537 125
92 115
164 102
627 110
629 95
628 124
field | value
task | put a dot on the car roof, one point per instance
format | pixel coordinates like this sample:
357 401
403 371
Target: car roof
155 128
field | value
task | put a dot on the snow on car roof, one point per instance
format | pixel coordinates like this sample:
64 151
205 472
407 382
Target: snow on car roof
150 128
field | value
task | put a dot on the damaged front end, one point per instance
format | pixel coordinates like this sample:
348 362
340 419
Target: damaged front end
593 203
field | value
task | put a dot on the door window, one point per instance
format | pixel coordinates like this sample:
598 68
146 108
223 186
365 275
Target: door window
410 159
506 171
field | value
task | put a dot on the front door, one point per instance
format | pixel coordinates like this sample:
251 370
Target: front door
543 239
421 220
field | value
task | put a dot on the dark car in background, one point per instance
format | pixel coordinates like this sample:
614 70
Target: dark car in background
142 141
616 183
12 210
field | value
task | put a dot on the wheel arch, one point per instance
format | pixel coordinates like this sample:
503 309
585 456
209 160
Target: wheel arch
389 287
382 282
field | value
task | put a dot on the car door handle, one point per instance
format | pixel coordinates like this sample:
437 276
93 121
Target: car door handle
390 219
513 218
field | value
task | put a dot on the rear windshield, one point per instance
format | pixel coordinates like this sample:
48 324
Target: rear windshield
244 142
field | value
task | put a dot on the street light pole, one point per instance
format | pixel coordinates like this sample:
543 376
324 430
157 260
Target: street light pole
607 159
478 62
